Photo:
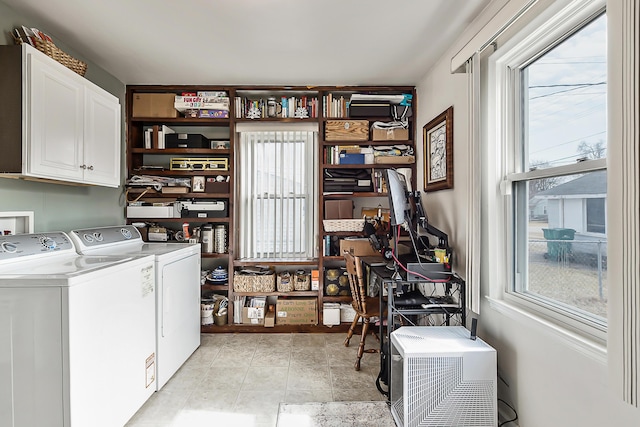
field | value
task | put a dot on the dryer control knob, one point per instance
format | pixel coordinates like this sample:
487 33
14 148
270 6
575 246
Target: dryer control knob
48 243
8 247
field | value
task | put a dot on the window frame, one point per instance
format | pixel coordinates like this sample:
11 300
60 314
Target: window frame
505 73
309 198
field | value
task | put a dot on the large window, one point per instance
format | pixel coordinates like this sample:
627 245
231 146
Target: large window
555 114
278 193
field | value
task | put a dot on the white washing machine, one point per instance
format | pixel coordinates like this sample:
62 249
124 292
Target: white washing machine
77 343
177 284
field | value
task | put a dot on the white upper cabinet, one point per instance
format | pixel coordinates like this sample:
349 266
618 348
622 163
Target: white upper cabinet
71 128
101 138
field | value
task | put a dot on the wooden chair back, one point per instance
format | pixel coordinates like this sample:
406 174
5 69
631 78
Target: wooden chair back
356 283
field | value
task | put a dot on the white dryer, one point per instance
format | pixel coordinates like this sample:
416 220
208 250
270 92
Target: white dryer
77 343
177 283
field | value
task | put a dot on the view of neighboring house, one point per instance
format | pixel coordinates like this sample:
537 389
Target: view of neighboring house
538 208
579 204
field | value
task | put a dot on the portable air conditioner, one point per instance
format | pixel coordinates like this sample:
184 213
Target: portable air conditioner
440 377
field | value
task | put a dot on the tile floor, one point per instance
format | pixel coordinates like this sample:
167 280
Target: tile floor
240 379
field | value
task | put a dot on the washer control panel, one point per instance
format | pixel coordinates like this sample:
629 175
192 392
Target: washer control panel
22 245
94 237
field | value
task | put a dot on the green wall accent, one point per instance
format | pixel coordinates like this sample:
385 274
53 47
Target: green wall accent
60 207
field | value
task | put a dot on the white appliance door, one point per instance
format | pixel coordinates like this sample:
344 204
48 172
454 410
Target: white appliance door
112 344
32 390
178 314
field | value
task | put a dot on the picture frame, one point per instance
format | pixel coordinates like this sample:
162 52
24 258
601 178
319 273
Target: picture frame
197 184
438 152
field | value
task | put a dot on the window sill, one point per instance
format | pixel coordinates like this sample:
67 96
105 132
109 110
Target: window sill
585 346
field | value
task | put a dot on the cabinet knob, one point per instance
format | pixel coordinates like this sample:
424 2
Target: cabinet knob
83 166
90 168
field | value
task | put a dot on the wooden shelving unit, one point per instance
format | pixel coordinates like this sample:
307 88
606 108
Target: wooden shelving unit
225 129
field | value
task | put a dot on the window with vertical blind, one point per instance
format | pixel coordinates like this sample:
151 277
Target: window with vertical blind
278 192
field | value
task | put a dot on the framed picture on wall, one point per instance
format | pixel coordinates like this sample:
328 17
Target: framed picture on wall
438 152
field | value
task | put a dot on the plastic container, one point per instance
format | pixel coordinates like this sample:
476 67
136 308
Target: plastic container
207 238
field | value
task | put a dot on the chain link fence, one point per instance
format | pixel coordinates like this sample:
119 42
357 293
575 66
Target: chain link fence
573 272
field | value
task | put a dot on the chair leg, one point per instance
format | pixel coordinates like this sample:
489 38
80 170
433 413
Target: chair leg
351 329
363 337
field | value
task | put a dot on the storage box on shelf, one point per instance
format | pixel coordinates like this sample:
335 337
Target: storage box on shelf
346 130
297 311
154 105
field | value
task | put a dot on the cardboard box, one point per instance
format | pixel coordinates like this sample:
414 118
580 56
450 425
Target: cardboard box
338 209
154 105
297 311
270 317
346 130
253 315
330 313
390 134
357 247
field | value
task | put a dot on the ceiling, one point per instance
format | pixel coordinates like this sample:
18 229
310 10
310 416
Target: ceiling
257 42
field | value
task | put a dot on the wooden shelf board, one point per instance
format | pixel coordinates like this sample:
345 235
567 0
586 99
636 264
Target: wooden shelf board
209 287
278 119
213 255
152 193
212 151
368 142
352 195
181 220
279 294
368 166
186 121
276 261
339 298
342 328
166 172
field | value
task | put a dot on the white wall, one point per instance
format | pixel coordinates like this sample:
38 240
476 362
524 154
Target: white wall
550 381
446 208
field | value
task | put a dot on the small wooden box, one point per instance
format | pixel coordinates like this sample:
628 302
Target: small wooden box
346 130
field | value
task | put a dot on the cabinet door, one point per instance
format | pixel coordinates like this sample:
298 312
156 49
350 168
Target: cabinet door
102 138
54 116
